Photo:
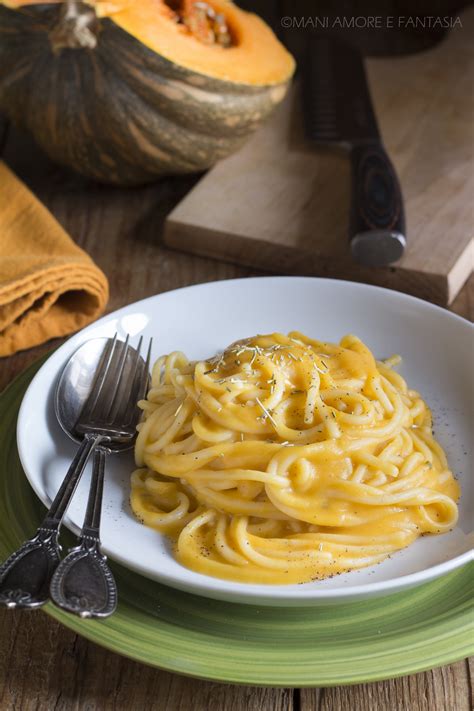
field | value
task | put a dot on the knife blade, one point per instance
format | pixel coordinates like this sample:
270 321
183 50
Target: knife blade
338 111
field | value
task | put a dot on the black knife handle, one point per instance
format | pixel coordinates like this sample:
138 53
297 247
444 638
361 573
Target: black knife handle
377 222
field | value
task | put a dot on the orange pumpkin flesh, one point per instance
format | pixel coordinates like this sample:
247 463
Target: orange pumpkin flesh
256 57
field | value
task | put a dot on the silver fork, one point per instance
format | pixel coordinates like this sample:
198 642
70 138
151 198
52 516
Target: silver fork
83 582
109 416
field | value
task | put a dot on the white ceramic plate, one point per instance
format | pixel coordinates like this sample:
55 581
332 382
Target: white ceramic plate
437 349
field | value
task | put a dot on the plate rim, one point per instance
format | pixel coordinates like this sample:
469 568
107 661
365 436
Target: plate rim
298 595
367 678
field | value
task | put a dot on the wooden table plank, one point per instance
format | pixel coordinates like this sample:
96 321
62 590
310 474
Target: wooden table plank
49 667
443 689
44 666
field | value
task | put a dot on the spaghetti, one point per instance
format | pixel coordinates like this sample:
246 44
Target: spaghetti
285 459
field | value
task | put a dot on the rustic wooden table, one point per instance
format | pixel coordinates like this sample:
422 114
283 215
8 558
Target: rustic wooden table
44 666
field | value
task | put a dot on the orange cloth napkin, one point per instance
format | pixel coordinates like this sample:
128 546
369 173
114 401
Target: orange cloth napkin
49 287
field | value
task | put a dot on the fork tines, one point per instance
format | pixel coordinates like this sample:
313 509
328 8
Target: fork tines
121 380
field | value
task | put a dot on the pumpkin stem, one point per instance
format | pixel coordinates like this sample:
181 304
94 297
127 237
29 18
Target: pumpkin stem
77 27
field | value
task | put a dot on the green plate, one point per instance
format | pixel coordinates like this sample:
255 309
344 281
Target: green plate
347 643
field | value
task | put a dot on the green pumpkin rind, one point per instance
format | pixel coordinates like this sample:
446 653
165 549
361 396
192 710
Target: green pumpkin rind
120 113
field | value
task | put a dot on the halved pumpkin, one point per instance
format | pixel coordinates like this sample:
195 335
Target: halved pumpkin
124 91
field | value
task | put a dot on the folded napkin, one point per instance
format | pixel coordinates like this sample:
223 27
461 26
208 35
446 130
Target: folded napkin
49 287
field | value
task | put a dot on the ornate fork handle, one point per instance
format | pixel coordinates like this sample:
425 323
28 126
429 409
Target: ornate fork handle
25 576
83 582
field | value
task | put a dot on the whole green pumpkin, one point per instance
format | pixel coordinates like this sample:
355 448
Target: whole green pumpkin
123 92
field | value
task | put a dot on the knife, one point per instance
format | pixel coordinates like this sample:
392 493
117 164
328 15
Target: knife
338 111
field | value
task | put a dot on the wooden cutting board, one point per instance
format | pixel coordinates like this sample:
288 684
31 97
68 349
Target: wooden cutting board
281 206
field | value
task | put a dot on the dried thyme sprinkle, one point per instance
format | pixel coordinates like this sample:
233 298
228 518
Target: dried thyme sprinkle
265 411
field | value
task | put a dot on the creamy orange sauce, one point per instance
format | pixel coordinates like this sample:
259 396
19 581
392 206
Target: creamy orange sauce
286 460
